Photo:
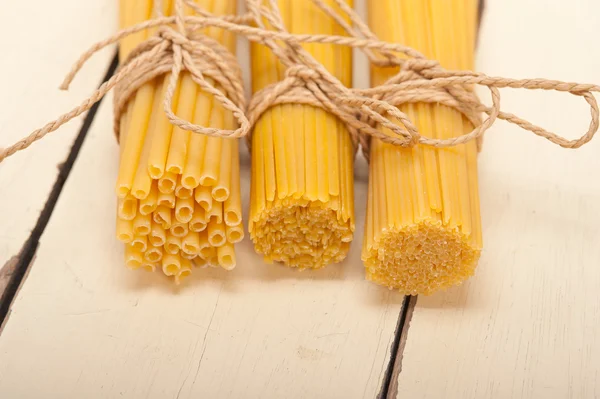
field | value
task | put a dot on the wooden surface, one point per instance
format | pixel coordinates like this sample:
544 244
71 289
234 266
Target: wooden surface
40 41
528 324
261 329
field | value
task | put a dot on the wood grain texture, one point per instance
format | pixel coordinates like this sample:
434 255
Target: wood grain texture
527 325
83 325
6 273
41 40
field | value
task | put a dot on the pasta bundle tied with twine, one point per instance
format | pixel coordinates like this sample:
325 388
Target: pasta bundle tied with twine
366 113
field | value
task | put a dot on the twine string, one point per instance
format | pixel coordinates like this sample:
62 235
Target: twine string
171 50
179 46
419 80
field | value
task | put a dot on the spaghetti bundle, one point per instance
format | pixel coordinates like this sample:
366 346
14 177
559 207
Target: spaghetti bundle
423 227
178 192
301 205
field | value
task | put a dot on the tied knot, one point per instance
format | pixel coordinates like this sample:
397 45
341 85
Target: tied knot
209 64
365 113
178 45
302 72
176 37
305 85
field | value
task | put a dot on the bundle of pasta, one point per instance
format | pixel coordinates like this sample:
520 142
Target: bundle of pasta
178 192
423 227
301 205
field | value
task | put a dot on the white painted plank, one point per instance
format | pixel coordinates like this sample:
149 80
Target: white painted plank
527 325
40 41
85 326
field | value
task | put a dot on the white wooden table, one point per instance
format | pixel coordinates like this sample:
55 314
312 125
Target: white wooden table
82 325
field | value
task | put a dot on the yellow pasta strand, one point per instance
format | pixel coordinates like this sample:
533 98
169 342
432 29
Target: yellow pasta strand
198 222
184 271
127 207
140 243
124 230
142 224
171 264
216 233
172 244
133 257
221 190
191 243
162 216
226 256
232 208
157 235
166 200
179 229
180 139
195 159
203 197
149 204
153 254
143 181
184 210
234 234
159 148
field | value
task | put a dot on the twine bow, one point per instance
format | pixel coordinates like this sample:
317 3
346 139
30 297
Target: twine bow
419 79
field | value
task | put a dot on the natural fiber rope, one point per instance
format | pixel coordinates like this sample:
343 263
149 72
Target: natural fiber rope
419 80
307 81
171 50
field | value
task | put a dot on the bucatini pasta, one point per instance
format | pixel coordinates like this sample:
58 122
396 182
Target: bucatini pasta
176 190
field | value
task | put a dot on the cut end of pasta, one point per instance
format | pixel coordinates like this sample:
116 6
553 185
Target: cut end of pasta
190 249
153 255
155 172
184 192
166 185
133 263
216 238
197 226
189 182
184 215
220 194
227 262
303 236
147 209
232 218
139 245
179 230
170 269
140 194
125 237
141 230
235 235
208 181
422 259
122 191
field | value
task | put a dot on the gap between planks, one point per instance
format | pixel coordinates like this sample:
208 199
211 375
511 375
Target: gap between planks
389 387
14 272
